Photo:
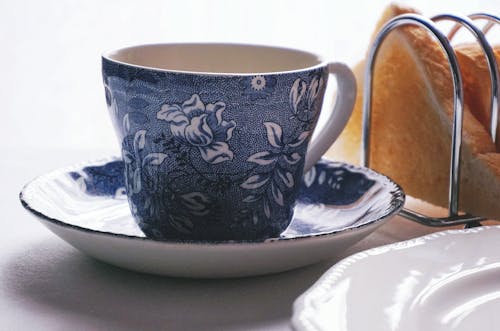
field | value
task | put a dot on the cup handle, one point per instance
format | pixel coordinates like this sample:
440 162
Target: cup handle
337 120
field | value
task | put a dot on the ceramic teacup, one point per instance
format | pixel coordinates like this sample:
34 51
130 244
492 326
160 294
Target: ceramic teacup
216 137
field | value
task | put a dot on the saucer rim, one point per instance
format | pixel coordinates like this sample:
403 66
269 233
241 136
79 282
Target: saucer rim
397 193
304 306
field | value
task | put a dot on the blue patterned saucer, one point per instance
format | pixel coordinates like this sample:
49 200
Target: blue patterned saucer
86 205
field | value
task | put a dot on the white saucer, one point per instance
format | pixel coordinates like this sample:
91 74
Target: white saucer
445 281
85 205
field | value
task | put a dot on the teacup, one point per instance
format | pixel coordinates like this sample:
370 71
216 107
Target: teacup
216 137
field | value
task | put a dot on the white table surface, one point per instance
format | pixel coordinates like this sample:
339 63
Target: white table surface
45 284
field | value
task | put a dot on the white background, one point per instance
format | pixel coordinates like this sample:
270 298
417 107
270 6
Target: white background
51 94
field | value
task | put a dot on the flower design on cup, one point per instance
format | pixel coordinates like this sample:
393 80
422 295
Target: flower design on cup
258 87
107 93
200 125
134 162
277 168
258 83
303 96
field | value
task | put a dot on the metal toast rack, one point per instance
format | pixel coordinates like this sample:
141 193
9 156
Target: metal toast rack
454 217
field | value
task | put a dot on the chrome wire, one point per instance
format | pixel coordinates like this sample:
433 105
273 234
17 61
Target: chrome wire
413 19
489 54
454 186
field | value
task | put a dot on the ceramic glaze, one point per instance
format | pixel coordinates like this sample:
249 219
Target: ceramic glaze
213 156
444 281
86 205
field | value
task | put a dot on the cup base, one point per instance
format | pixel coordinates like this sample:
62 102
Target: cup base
212 229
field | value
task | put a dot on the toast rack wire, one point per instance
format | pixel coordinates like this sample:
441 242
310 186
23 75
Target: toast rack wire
454 217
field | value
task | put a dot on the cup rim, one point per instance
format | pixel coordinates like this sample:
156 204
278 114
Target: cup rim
322 62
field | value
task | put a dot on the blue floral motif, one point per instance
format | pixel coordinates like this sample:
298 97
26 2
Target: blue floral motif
194 204
258 87
282 158
303 97
205 157
335 184
141 166
135 117
107 94
133 180
110 102
278 167
198 125
134 164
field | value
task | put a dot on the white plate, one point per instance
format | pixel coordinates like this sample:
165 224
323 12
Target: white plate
444 281
85 205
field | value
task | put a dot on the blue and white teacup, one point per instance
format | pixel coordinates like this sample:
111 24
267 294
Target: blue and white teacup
216 137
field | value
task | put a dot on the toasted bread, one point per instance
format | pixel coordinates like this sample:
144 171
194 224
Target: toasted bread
412 111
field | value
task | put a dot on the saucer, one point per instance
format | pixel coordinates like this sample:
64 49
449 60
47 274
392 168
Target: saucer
444 281
86 205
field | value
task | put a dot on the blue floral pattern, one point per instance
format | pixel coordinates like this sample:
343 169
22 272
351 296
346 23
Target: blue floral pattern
201 126
303 97
202 160
258 87
332 197
278 170
273 183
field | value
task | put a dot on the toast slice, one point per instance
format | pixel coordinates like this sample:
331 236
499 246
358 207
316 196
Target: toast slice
412 111
476 80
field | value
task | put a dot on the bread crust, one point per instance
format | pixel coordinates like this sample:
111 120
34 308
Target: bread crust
412 112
